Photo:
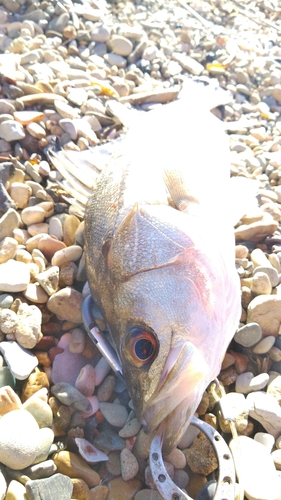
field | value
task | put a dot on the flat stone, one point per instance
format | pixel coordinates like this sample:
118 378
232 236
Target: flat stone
255 468
130 428
14 276
248 335
264 345
10 130
56 486
8 222
65 110
120 45
66 304
256 231
72 465
40 470
35 293
106 388
246 382
18 448
20 361
115 414
188 63
266 311
70 396
33 215
264 408
123 490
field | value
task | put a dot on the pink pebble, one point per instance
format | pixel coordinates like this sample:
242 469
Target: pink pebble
64 340
85 382
89 452
95 406
102 369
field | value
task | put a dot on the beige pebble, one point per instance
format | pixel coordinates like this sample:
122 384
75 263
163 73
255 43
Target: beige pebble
77 341
264 345
28 329
23 256
16 491
35 293
33 215
259 258
33 270
8 249
120 45
33 242
68 254
39 228
36 130
261 284
49 280
21 235
67 304
20 193
256 231
266 311
48 207
129 464
14 276
9 320
241 252
69 229
9 400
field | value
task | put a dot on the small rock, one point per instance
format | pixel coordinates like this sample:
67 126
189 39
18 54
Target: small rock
45 441
14 276
57 485
9 400
201 457
266 311
10 130
28 328
20 361
131 429
264 345
35 293
18 448
8 222
265 439
80 489
264 408
256 231
70 396
261 284
49 280
36 381
66 304
115 414
129 465
123 490
100 492
234 407
85 382
72 465
33 215
176 458
36 130
8 248
15 491
77 341
106 388
248 335
65 110
88 451
120 45
255 469
41 470
40 410
246 382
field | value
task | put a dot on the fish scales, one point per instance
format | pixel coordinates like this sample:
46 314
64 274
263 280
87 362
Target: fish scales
160 260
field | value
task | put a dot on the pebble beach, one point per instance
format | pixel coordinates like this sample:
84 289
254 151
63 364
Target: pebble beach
71 70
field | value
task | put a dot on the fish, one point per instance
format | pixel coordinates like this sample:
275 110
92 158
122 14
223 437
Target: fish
159 249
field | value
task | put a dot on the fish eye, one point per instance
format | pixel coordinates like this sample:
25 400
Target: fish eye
142 345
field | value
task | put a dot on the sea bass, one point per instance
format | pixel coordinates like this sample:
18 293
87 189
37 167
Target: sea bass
159 248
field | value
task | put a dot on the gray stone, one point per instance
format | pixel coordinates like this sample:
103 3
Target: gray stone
115 414
56 486
248 335
70 396
40 470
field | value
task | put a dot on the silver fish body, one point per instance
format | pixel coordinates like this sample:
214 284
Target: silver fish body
160 260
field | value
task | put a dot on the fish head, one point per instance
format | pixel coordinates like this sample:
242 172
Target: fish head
168 315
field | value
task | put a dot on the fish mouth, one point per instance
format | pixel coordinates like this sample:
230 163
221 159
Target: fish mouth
184 378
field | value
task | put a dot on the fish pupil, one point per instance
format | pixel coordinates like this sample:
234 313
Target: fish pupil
144 348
